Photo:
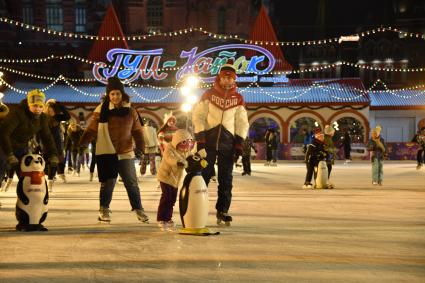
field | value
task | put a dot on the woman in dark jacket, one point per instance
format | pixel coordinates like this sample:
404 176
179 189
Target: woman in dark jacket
56 114
271 146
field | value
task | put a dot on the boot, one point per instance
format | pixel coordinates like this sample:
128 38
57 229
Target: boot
50 185
104 214
63 178
223 217
140 213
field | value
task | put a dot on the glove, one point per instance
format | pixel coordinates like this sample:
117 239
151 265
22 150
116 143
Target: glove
182 163
202 153
54 161
12 161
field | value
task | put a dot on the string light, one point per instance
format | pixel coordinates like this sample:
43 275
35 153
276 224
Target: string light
136 37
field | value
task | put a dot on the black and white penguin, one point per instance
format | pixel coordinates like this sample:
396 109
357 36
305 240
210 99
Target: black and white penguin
33 196
193 199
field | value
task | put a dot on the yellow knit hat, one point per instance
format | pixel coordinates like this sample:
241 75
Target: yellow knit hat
36 97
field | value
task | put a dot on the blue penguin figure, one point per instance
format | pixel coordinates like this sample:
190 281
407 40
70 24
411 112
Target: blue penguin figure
33 196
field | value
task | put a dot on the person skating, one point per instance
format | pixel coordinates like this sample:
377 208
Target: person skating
115 124
419 138
23 123
330 151
165 133
246 156
220 124
271 147
170 174
75 133
377 147
314 154
151 149
57 114
347 146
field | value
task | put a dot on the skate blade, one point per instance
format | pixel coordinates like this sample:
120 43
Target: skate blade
104 221
223 223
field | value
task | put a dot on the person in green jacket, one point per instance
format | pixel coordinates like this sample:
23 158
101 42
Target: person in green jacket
20 125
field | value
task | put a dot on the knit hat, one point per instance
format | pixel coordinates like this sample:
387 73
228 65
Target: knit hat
228 70
114 83
317 132
329 130
36 97
179 136
378 129
168 116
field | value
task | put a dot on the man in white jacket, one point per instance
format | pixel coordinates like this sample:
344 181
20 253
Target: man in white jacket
221 124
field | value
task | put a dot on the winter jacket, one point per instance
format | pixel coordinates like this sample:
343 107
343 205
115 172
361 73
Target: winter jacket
330 149
315 152
55 125
116 135
271 140
73 140
20 126
347 142
169 172
150 139
378 149
220 120
165 135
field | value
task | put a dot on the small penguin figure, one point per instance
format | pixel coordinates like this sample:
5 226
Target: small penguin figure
193 199
33 196
321 176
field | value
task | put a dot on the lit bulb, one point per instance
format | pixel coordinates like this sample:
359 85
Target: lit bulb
185 90
192 81
186 107
192 99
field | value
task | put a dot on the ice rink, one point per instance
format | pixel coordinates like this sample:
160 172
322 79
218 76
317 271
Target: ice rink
281 233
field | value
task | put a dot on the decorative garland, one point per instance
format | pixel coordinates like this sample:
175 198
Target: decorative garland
253 108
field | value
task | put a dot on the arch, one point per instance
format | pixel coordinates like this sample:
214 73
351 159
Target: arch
303 113
150 115
421 123
272 115
352 113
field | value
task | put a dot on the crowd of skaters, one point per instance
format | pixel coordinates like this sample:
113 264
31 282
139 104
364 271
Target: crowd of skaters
116 135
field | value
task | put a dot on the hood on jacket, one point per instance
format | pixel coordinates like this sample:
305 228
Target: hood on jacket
179 136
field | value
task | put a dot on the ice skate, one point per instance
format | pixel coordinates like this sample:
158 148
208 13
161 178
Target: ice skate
214 179
419 167
274 164
267 163
171 226
91 177
104 216
63 178
375 183
50 185
223 217
163 226
70 170
307 186
140 213
7 184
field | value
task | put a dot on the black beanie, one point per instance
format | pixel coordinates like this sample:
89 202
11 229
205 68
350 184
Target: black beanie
114 83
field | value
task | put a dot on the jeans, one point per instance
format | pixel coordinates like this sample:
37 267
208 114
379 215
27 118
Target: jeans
127 171
151 158
225 168
377 170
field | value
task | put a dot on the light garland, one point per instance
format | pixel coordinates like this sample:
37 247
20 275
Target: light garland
404 34
390 91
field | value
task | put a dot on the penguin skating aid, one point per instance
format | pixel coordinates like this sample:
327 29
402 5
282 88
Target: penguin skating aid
33 196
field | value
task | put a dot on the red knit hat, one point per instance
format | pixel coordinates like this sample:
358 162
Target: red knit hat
228 70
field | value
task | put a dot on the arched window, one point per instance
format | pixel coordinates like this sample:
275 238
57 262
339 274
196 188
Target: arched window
354 127
258 129
300 127
155 14
221 25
